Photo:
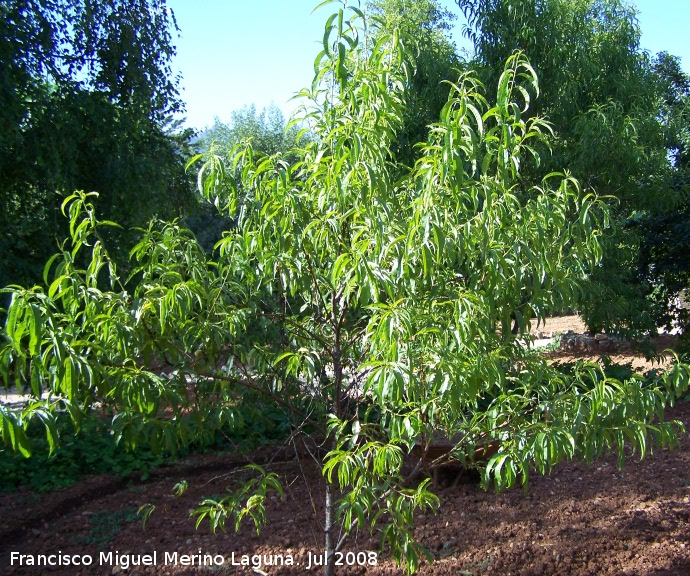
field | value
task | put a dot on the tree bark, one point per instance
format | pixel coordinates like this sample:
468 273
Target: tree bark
329 569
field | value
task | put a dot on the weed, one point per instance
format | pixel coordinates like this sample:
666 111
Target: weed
480 567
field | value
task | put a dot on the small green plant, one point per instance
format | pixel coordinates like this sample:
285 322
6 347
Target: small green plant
144 512
246 501
479 567
180 488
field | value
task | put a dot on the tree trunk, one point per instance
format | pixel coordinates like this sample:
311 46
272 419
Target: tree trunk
329 569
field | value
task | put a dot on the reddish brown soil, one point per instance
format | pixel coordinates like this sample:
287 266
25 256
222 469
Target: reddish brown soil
581 520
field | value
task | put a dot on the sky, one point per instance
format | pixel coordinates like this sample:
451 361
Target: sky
235 53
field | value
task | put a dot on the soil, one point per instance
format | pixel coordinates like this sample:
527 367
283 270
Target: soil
580 520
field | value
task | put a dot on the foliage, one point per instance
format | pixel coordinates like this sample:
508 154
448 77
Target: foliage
106 525
664 265
91 451
88 97
374 309
268 134
603 96
425 25
665 235
247 501
266 129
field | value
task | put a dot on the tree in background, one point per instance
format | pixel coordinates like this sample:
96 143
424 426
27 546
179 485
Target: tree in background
373 308
604 98
88 97
267 130
268 133
426 26
665 235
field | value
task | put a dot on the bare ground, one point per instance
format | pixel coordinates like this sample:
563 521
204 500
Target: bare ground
580 520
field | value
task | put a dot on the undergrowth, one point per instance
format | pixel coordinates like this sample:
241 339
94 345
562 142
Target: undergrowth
93 450
90 451
104 526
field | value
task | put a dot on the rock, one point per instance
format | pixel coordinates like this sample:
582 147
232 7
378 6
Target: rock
579 343
605 345
601 337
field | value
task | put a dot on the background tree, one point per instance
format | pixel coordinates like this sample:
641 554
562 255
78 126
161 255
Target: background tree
267 130
666 234
268 133
426 26
395 297
88 97
604 98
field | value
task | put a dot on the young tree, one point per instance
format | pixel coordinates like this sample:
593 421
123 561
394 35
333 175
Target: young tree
375 310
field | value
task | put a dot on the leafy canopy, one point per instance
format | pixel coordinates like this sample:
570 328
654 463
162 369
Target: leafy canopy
425 25
604 97
374 309
88 98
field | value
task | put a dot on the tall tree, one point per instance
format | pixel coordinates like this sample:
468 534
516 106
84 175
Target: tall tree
426 26
603 97
665 234
88 98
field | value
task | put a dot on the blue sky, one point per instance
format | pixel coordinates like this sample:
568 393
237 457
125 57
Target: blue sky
233 53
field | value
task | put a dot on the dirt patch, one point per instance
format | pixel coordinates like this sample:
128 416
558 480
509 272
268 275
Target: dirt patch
558 325
660 350
580 520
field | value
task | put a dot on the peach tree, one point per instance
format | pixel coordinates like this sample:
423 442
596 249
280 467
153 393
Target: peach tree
376 312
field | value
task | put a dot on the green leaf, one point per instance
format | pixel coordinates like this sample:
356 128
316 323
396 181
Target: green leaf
35 330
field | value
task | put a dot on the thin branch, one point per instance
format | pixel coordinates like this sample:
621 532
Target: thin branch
298 326
313 277
361 332
385 495
257 388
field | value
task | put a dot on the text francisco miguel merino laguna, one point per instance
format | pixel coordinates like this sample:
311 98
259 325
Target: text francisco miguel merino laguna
125 561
